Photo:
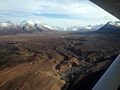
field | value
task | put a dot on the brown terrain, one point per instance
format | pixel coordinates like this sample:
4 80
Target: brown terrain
55 61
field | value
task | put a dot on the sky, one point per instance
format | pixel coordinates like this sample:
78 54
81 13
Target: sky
54 12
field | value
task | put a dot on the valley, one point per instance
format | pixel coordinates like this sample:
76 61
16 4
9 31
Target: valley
55 61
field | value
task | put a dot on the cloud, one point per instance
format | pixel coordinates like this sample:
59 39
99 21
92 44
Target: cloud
54 15
66 10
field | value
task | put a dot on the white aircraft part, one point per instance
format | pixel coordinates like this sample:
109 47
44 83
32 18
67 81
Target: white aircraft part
111 78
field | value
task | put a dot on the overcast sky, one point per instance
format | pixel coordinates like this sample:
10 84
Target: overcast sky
54 12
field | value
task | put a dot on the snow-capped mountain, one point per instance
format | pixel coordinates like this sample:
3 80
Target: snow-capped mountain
86 28
116 23
58 28
30 26
34 26
23 27
73 28
110 27
94 27
6 24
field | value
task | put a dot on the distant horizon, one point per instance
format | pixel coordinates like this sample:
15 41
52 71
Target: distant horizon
37 22
54 12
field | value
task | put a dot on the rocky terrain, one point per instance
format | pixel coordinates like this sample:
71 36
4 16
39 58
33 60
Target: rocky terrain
55 61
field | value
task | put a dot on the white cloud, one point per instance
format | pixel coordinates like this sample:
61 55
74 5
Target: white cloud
81 11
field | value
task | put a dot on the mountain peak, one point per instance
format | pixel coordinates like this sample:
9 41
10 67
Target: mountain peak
29 22
115 23
110 27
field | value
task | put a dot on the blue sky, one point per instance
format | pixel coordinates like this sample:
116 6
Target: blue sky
54 12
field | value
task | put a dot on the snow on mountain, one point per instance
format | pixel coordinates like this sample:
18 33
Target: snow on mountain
35 26
29 22
47 26
6 24
58 28
86 28
95 27
73 28
30 25
110 27
116 23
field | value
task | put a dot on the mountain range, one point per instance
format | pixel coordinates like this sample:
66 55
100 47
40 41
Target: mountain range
23 27
34 26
